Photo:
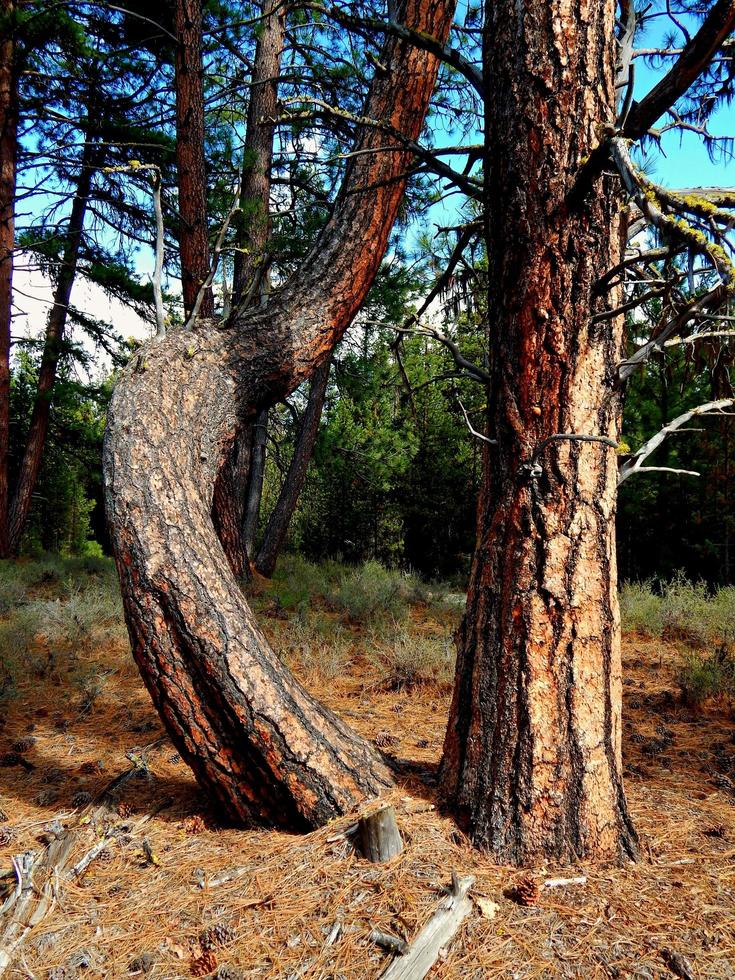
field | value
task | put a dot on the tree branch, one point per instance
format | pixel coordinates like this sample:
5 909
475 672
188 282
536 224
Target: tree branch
693 60
635 463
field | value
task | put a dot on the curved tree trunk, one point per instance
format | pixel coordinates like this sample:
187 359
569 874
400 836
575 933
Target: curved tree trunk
293 484
8 156
532 759
254 738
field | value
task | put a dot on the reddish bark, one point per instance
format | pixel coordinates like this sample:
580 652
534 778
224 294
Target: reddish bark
8 156
253 223
190 162
280 518
254 738
532 760
240 482
92 156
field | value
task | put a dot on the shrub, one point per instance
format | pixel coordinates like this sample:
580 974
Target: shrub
688 612
314 650
408 660
641 609
297 582
703 677
371 592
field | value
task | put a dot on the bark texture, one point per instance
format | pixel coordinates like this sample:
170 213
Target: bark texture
532 760
254 738
240 482
277 527
190 163
253 222
8 157
92 156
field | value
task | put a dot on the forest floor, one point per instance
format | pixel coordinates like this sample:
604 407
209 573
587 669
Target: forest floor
303 906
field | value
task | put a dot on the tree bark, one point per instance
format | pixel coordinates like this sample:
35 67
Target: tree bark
8 158
240 483
255 739
293 484
256 474
228 501
532 761
92 156
190 161
253 223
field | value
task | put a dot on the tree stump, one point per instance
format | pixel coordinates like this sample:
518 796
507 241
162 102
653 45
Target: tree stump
380 838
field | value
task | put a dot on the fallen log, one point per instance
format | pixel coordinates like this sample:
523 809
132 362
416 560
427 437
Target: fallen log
424 951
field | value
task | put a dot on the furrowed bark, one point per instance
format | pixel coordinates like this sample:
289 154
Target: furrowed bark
278 522
255 739
8 157
240 484
190 163
92 156
532 761
253 223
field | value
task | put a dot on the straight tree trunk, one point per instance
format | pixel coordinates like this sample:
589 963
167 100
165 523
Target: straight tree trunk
293 484
256 474
8 157
190 162
92 156
240 482
256 740
532 760
253 223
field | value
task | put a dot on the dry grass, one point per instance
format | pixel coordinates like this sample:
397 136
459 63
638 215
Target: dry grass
291 890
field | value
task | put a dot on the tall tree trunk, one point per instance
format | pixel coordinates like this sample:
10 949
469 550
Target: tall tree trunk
190 162
240 482
293 484
256 474
253 736
253 223
532 760
8 157
92 156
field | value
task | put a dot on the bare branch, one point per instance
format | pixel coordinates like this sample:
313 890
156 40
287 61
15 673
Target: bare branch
158 268
692 61
707 301
635 463
475 433
449 55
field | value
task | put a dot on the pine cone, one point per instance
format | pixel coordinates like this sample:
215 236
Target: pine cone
7 836
678 964
106 856
92 767
716 830
81 798
24 744
194 825
9 759
384 739
142 964
229 973
3 816
216 936
46 797
526 892
204 964
124 810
